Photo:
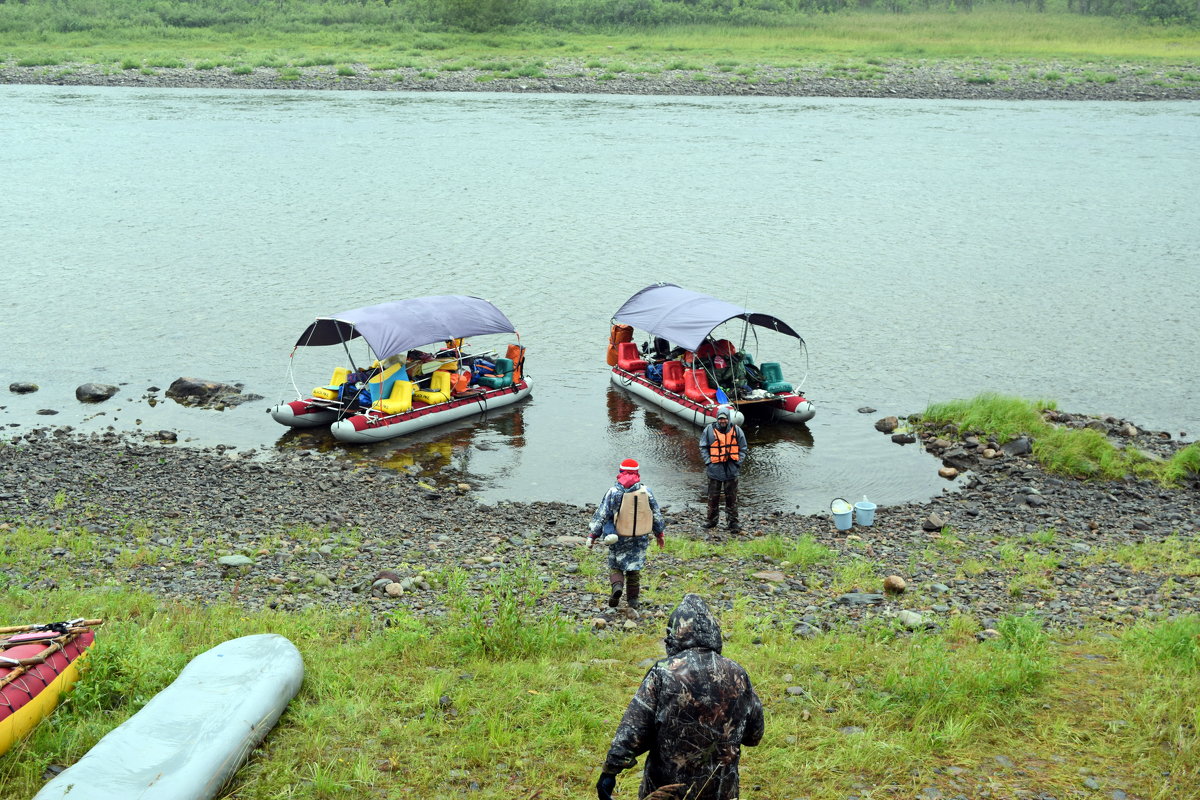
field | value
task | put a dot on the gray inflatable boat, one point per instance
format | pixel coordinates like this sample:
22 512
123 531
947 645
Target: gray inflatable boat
190 739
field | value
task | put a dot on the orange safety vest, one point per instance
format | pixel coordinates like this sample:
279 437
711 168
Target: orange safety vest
724 446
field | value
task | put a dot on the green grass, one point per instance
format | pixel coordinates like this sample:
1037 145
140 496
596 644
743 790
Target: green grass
1174 555
855 575
1184 464
388 710
804 551
1005 416
973 45
1077 452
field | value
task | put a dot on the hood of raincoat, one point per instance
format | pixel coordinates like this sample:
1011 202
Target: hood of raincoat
692 625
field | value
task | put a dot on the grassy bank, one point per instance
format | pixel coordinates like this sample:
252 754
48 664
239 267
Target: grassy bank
402 708
877 40
1078 452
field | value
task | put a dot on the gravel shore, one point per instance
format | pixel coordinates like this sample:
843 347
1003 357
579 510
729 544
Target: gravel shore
312 530
974 79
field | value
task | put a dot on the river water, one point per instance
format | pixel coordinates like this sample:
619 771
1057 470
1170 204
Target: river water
926 250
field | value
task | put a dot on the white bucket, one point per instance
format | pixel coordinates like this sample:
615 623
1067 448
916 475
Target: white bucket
843 513
864 512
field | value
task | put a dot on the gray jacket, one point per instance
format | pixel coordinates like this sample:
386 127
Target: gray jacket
725 470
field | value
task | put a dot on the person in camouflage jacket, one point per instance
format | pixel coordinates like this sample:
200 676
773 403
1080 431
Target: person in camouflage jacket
692 714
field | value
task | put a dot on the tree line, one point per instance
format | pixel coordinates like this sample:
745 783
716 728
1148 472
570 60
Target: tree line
492 15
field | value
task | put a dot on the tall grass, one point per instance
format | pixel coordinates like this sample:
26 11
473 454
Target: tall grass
1004 416
400 706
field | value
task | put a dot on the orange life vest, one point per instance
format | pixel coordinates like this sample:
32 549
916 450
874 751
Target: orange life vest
724 446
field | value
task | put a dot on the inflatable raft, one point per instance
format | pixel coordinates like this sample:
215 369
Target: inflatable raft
408 384
688 371
190 739
38 663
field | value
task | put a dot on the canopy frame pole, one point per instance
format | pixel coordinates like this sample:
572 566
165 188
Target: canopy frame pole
291 372
343 409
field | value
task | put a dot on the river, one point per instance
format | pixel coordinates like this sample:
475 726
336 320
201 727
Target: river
926 250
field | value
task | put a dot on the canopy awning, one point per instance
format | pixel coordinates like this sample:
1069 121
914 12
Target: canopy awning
398 326
684 317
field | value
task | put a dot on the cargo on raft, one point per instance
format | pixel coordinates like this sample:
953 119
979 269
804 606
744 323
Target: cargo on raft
407 384
691 373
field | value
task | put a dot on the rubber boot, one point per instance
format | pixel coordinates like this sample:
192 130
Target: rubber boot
633 583
617 579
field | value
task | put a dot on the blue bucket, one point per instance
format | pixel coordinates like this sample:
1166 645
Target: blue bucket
843 513
864 512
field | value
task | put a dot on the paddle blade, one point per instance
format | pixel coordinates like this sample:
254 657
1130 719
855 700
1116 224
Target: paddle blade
721 396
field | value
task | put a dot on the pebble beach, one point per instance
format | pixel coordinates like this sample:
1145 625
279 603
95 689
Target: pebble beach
974 79
293 530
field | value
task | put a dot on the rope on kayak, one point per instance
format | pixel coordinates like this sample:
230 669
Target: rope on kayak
64 634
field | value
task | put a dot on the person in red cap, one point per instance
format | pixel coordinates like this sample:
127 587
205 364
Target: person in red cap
626 517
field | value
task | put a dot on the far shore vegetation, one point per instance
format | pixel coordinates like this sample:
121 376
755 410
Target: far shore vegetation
1077 452
490 703
619 35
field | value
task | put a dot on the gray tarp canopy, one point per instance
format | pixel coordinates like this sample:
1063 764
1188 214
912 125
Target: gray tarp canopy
685 317
399 326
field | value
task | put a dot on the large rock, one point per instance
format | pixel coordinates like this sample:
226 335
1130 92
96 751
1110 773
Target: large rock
207 394
22 387
1018 447
934 522
958 458
94 392
887 424
859 599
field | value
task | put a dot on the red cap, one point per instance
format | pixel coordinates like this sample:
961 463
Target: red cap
629 465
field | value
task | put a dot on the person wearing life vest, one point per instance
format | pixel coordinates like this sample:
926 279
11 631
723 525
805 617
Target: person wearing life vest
723 448
626 518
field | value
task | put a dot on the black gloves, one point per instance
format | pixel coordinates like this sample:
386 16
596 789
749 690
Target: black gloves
605 786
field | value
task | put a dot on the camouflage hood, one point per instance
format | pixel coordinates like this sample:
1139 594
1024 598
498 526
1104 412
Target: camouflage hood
692 625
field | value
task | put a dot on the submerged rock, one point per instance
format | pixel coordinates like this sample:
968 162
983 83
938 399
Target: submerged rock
94 392
208 394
